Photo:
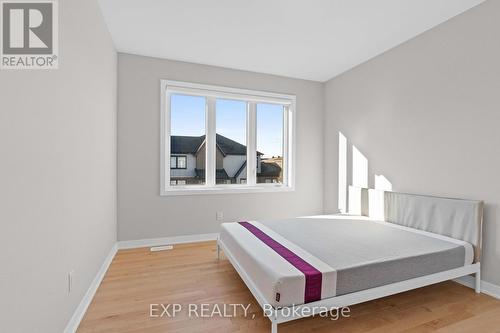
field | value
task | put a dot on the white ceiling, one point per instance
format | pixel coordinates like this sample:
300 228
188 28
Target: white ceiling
308 39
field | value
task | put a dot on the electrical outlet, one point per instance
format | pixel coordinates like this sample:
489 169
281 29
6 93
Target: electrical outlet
70 281
219 216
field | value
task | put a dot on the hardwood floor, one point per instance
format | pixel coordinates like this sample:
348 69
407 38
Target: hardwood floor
190 273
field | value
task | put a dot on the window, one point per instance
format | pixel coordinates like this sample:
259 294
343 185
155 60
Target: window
270 128
187 137
178 162
231 137
218 140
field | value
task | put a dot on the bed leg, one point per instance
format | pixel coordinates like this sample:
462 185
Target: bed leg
274 327
218 251
478 282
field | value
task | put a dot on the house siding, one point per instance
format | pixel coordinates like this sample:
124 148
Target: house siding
190 166
201 157
232 163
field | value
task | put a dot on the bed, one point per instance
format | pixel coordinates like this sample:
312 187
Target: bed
324 262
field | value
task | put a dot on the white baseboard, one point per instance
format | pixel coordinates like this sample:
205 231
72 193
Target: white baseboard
486 287
77 317
131 244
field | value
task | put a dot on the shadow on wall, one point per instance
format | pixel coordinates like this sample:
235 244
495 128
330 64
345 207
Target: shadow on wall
357 175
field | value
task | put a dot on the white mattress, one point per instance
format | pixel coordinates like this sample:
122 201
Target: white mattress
352 254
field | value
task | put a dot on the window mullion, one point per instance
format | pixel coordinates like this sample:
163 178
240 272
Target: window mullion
210 161
166 137
251 144
286 145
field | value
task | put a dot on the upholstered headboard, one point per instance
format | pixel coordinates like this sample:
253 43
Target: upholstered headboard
456 218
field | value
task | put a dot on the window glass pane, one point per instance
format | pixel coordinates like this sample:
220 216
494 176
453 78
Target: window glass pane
181 162
173 162
187 136
231 159
270 143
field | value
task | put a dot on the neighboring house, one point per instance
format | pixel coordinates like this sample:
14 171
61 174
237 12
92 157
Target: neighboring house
187 162
270 167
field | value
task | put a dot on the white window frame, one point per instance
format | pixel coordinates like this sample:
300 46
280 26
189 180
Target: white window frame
211 93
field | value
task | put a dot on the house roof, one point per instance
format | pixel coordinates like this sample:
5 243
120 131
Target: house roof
230 147
191 144
185 144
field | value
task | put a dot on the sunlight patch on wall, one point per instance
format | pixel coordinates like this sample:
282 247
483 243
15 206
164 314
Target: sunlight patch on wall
382 183
342 184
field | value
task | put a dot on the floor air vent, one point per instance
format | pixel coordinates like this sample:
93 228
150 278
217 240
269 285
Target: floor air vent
161 248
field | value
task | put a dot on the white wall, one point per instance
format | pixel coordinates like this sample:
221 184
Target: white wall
426 116
142 213
57 174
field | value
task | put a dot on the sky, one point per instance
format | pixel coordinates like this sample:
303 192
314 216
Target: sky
188 118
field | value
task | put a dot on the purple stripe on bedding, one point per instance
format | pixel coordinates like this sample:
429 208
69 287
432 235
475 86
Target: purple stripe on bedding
313 276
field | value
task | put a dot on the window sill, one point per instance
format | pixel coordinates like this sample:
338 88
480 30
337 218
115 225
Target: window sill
223 189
